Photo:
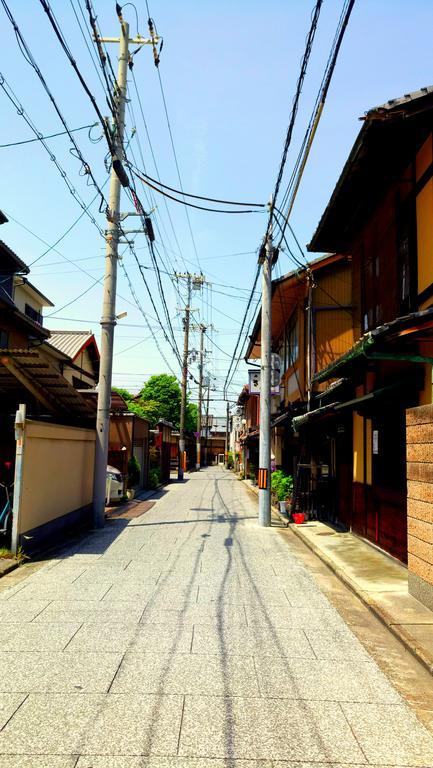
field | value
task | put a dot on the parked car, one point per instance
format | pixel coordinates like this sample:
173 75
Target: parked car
114 486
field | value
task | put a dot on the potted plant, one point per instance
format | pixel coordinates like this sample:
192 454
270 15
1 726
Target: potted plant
282 488
133 476
253 474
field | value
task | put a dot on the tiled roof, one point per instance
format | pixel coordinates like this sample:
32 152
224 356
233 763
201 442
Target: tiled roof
70 342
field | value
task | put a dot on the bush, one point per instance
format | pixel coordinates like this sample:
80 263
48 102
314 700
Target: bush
281 485
154 478
133 472
153 456
252 473
230 461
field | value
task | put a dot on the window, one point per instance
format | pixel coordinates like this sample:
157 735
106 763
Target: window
7 284
4 339
291 347
33 314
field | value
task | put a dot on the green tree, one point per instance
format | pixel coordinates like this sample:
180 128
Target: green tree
160 398
191 417
162 394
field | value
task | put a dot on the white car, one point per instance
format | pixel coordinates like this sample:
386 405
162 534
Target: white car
114 487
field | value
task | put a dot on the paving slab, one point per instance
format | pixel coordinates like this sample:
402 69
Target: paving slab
211 675
74 724
158 638
254 728
55 672
90 611
283 642
37 761
323 680
390 735
37 637
195 639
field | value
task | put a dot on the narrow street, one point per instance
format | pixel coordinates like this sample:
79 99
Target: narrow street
190 632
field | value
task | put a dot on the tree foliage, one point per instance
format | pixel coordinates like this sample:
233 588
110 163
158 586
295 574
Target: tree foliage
160 398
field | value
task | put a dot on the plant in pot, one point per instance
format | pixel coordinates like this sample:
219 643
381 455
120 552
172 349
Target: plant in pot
282 488
133 476
253 474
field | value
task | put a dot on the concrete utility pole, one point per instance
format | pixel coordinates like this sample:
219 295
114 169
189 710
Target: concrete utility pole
226 450
108 319
200 396
186 321
196 282
309 339
206 423
264 476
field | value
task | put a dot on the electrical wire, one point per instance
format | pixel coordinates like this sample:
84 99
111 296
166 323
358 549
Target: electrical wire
201 197
65 47
295 103
184 202
4 85
49 136
295 180
234 360
25 50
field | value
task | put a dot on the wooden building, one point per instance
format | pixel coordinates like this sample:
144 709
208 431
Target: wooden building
381 215
306 335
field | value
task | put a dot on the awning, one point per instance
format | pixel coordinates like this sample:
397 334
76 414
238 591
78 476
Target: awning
305 418
367 346
25 372
353 404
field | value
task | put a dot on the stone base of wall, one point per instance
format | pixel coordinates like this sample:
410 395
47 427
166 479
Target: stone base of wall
422 590
419 453
55 531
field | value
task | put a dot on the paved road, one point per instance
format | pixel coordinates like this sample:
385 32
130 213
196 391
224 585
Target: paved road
191 633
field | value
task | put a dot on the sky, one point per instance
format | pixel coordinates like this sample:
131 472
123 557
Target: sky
229 72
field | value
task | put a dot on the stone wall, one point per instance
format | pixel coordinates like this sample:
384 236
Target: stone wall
419 442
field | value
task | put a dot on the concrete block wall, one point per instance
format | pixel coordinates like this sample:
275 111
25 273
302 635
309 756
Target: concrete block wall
419 447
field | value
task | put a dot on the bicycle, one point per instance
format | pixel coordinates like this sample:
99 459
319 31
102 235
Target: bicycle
6 513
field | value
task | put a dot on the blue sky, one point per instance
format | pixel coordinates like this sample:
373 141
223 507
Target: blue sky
229 72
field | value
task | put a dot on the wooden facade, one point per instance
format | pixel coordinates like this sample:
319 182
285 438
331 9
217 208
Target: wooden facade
381 215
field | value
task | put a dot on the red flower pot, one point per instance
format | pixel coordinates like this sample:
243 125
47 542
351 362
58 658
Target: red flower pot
298 518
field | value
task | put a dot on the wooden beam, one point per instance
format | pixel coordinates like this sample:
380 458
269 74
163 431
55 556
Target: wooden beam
22 378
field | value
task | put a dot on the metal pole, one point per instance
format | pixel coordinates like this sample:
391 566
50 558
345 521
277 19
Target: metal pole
309 339
108 319
206 425
265 389
20 429
181 464
226 450
200 396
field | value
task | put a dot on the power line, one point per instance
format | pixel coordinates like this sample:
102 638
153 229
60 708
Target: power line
201 197
295 180
233 360
65 47
49 136
22 112
184 202
26 52
295 104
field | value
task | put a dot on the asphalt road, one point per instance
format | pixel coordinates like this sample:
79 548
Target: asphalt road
190 637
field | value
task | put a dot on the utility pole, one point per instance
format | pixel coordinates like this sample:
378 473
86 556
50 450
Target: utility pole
196 282
186 320
309 339
264 478
200 396
108 319
206 423
226 451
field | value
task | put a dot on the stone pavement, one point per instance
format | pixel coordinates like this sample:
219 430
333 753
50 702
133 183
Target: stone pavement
380 581
190 637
